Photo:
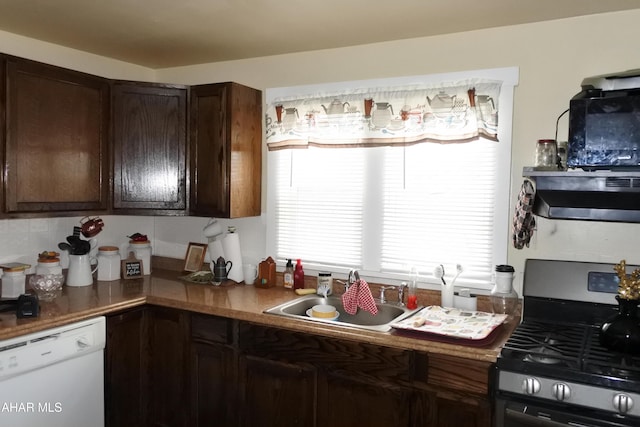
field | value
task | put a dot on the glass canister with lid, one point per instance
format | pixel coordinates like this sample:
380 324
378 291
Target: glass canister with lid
108 263
504 299
547 154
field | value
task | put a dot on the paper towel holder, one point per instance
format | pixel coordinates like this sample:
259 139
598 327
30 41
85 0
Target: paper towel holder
212 229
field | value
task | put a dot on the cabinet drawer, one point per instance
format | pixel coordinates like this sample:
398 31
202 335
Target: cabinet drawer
211 329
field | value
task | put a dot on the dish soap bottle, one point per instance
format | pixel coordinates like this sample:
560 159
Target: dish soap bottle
412 298
298 276
288 275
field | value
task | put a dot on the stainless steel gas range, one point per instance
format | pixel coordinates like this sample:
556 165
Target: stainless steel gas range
553 370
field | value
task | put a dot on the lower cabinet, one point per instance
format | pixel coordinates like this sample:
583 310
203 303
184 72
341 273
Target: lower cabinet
301 379
167 367
348 400
213 373
276 393
452 412
146 368
125 368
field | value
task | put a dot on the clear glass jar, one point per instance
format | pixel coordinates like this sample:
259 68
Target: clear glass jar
142 250
562 154
547 154
109 263
504 299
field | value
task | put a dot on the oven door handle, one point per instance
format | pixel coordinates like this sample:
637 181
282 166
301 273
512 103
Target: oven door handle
530 420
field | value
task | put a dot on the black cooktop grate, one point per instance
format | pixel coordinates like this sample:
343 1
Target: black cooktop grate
544 343
560 349
601 361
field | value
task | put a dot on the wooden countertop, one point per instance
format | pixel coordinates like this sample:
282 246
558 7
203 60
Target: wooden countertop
237 301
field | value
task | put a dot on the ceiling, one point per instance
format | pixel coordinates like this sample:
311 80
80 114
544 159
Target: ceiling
167 33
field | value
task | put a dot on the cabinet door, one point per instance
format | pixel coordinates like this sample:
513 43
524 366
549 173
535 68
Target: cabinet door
349 400
276 393
168 389
125 370
226 150
213 388
3 114
213 372
57 136
149 146
458 413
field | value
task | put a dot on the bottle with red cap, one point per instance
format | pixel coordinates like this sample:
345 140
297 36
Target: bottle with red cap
298 276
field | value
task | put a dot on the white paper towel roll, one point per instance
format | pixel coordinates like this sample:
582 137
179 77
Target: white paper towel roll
232 252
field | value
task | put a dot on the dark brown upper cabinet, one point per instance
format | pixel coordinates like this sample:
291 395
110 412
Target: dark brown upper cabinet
3 126
149 148
72 143
226 150
56 143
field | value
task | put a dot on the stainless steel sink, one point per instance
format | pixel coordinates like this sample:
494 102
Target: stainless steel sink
387 313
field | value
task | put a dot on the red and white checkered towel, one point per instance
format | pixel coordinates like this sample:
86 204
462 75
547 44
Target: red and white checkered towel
359 295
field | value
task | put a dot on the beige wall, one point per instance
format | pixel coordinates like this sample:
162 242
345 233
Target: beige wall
49 53
553 57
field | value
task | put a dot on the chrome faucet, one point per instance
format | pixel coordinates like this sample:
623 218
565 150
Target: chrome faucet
383 297
354 276
401 289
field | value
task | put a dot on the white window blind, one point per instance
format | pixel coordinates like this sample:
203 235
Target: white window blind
438 208
319 210
384 209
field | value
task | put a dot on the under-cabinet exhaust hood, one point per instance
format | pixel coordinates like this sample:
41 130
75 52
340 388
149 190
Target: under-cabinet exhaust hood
599 195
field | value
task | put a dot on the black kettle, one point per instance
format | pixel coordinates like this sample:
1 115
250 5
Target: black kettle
220 270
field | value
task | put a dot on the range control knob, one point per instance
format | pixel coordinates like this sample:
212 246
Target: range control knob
531 385
622 403
561 391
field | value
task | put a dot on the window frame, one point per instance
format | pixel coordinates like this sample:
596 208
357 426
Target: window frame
501 221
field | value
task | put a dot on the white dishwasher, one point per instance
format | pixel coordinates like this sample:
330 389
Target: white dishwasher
54 378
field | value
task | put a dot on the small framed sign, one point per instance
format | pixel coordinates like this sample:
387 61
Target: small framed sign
131 267
195 256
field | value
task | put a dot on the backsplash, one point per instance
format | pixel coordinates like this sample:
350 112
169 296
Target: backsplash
23 239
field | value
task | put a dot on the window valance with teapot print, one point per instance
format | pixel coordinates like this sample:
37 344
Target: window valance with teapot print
447 112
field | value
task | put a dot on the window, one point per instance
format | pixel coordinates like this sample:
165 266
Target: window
384 209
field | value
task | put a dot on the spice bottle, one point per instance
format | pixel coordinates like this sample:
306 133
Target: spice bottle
298 276
288 275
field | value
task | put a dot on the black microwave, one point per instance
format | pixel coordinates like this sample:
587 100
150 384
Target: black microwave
604 129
